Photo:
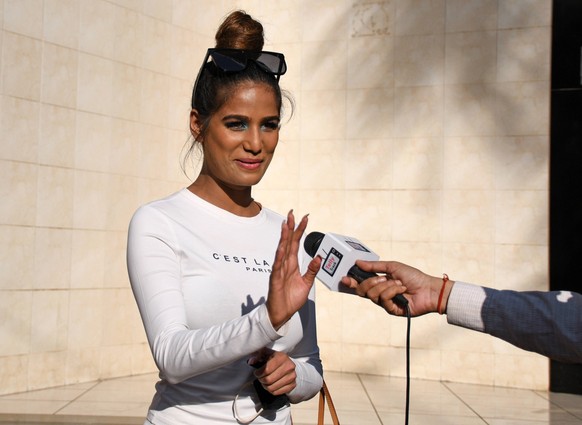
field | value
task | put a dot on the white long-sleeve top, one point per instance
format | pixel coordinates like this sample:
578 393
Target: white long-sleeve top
200 276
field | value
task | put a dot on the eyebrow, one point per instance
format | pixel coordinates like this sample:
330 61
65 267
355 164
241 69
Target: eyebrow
245 118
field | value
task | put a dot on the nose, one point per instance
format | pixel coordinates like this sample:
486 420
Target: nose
253 143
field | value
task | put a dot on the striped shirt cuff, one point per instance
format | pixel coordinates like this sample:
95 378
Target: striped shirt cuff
464 306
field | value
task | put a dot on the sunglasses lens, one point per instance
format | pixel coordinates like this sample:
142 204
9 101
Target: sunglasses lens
236 61
274 64
230 62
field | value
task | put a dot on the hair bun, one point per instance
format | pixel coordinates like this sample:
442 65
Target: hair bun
240 31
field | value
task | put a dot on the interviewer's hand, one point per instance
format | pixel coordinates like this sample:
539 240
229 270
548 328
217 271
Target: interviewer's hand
421 290
288 289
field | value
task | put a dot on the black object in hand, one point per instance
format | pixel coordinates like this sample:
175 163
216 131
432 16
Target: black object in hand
268 401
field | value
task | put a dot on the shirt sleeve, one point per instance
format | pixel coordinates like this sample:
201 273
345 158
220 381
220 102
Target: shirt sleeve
548 323
305 355
180 352
465 305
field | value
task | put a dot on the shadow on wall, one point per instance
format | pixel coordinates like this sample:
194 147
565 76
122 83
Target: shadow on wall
474 87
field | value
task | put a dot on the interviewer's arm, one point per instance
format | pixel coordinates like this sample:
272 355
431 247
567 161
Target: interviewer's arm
548 323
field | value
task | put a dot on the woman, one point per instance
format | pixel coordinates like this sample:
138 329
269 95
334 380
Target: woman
214 273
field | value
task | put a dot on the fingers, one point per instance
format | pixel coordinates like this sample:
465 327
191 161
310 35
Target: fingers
297 235
380 290
289 243
290 224
371 288
282 245
285 384
278 376
363 288
291 236
377 266
349 282
386 299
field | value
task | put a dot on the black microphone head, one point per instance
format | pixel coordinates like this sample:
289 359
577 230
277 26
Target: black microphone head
312 242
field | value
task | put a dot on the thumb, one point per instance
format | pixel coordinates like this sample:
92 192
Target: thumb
365 265
312 269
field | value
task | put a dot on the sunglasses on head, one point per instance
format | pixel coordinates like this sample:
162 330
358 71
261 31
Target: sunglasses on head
236 60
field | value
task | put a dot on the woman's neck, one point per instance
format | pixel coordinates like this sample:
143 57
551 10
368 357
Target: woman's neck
234 200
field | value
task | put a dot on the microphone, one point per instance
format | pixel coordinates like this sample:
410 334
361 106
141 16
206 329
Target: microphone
339 255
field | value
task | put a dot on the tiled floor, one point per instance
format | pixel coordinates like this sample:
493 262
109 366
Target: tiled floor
359 399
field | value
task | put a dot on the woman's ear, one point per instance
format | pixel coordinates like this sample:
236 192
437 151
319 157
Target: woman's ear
195 124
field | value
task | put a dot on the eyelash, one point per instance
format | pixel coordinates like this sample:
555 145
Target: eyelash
236 125
241 125
272 125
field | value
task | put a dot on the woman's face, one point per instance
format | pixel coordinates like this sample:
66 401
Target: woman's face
241 136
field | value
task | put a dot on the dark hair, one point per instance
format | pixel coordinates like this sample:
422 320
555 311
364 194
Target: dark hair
238 31
241 31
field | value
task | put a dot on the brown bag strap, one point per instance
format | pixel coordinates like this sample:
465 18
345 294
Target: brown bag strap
323 395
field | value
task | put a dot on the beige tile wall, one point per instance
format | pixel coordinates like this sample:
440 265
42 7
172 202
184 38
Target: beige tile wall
420 127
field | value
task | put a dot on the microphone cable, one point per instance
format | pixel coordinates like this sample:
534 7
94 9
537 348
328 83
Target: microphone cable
408 322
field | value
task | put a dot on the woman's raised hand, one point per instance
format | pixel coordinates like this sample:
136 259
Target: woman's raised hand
288 289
